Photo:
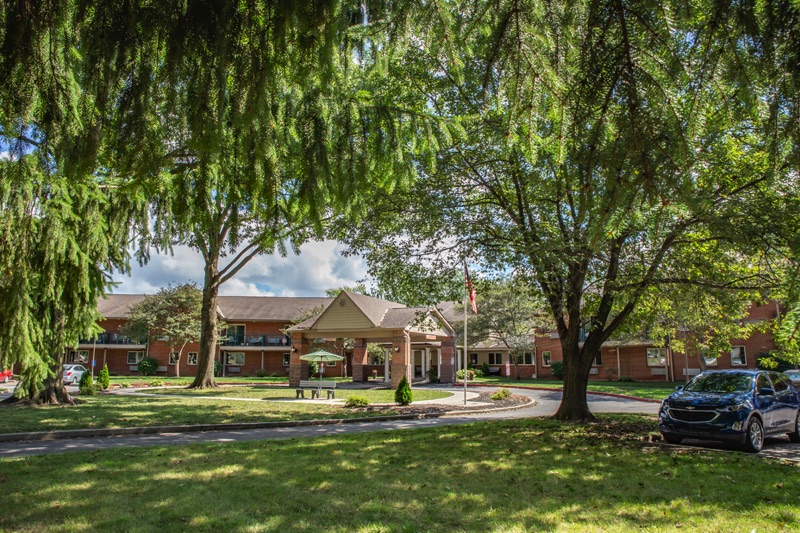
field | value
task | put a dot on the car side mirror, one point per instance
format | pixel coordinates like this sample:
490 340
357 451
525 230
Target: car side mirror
766 391
679 387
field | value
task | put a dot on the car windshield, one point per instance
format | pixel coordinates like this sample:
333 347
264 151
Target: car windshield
720 383
793 373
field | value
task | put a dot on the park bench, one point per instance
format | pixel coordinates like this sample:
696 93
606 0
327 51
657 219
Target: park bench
315 386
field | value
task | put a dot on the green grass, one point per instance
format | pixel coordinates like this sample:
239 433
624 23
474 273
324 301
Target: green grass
510 476
647 390
112 411
133 380
374 396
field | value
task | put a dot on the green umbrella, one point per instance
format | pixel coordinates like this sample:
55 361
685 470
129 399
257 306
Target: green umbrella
321 356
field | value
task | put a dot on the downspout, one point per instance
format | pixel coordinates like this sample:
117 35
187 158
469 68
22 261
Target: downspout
619 368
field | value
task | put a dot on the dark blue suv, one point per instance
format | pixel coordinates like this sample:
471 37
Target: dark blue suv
742 406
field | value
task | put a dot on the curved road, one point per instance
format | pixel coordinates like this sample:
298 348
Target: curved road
547 403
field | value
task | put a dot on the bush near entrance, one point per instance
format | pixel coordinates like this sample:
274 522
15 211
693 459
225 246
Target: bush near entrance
403 393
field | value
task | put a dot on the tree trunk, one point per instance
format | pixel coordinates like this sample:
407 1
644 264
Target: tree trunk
208 329
574 405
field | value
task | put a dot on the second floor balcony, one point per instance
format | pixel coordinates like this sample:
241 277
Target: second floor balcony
256 340
110 338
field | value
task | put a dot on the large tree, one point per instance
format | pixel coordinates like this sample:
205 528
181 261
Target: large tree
246 125
613 147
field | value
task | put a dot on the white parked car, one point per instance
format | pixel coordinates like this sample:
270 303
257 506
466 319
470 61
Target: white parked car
73 373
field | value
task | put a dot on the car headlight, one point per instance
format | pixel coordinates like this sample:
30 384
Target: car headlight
733 408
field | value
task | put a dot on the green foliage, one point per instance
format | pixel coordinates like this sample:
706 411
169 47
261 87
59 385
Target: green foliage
313 368
86 379
217 368
772 361
155 383
625 379
485 369
261 373
433 376
471 374
147 366
103 379
557 368
502 394
357 401
402 395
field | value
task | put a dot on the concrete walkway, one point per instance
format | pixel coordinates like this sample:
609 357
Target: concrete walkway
546 404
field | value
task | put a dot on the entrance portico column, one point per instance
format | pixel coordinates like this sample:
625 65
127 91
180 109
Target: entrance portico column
359 360
401 357
387 360
298 370
447 354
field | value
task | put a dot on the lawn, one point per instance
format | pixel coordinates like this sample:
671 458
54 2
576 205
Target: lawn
261 392
650 391
511 476
115 411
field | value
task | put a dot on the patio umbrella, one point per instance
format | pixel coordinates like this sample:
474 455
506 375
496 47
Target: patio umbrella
321 356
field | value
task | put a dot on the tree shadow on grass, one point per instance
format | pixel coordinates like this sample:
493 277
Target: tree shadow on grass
533 475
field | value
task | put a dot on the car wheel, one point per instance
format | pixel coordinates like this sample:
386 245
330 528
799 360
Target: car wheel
794 436
672 439
754 440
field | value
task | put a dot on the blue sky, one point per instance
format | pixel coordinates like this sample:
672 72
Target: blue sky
320 266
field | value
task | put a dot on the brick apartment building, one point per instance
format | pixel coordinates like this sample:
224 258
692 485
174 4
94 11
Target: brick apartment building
263 337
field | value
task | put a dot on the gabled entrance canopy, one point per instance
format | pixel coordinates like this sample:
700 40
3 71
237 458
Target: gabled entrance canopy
368 319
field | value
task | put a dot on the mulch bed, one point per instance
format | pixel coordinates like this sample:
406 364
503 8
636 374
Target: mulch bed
515 400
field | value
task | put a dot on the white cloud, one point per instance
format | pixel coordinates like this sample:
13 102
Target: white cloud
5 156
318 267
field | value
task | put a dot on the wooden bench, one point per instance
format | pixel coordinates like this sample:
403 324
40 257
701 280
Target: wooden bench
315 386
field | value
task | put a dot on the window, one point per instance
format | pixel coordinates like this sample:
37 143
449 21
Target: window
495 359
79 356
286 358
525 359
234 358
738 356
235 334
191 358
598 359
135 357
545 358
762 382
709 359
473 359
779 382
173 358
656 356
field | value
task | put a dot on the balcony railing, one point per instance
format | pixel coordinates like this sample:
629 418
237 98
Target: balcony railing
110 338
256 340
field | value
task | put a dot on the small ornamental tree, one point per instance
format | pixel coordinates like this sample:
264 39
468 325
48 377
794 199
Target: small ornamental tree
103 379
148 366
403 393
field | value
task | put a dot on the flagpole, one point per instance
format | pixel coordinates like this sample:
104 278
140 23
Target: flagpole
466 299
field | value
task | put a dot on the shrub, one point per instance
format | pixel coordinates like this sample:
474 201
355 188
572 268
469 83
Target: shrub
625 379
86 386
357 401
217 369
502 394
485 369
103 379
470 374
313 368
261 373
403 393
148 366
557 368
433 376
156 383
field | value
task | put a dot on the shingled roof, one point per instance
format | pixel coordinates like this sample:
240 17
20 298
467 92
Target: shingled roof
266 308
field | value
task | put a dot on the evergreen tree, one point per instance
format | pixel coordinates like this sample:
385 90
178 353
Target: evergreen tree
103 379
402 395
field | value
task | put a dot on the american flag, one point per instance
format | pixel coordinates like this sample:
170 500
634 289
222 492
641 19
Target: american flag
470 289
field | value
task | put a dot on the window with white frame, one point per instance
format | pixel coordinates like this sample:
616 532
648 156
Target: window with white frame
496 358
738 356
656 356
546 359
598 359
191 358
79 356
234 358
135 357
525 358
709 359
173 358
286 359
